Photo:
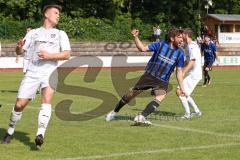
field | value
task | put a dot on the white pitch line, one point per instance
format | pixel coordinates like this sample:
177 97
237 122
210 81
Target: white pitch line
167 150
196 130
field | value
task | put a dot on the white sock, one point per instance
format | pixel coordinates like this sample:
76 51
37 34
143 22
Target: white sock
14 118
185 105
193 104
43 118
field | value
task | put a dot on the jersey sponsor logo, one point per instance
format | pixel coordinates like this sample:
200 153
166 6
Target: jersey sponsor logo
166 59
207 50
53 35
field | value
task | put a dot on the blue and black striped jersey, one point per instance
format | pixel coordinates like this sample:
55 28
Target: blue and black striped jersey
209 51
164 60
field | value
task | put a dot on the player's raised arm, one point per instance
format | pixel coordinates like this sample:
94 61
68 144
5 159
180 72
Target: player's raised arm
141 47
19 47
24 44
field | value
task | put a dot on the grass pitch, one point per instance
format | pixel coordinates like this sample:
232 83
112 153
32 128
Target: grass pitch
214 136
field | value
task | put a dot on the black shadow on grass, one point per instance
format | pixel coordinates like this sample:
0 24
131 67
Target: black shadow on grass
129 118
164 113
124 118
140 125
22 137
10 91
160 113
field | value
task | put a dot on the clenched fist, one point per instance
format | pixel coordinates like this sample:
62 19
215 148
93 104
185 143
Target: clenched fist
135 32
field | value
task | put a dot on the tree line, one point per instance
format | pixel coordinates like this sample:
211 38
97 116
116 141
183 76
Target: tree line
110 20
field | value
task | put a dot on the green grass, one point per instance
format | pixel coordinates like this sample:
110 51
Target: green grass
214 136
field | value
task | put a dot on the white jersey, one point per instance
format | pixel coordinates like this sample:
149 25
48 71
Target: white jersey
193 52
158 31
50 40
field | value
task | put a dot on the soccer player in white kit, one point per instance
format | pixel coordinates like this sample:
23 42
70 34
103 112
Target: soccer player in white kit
46 45
193 74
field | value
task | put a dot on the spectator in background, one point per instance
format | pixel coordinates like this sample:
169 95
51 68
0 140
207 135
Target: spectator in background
158 33
154 33
26 57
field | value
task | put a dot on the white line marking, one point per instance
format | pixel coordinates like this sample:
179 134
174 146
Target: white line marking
193 130
167 150
196 130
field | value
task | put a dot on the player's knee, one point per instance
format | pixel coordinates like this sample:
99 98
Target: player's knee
19 106
160 98
129 96
160 94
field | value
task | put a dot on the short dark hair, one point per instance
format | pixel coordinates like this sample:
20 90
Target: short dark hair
46 7
173 33
29 27
207 36
189 32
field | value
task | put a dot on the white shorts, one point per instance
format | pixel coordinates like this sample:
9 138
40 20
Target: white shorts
25 64
31 83
189 84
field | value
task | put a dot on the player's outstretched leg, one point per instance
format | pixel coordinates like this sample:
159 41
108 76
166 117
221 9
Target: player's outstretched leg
43 119
184 101
39 140
111 115
124 100
150 108
160 95
185 105
205 78
196 112
209 80
14 118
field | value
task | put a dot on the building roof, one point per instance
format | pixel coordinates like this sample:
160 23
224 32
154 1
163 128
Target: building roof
225 17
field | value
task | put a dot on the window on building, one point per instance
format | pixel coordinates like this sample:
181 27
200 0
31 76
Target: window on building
226 28
237 28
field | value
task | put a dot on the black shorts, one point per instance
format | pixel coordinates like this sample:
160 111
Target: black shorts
148 81
208 64
157 36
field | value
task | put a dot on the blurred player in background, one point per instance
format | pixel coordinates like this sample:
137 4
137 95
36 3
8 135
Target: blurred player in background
208 49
